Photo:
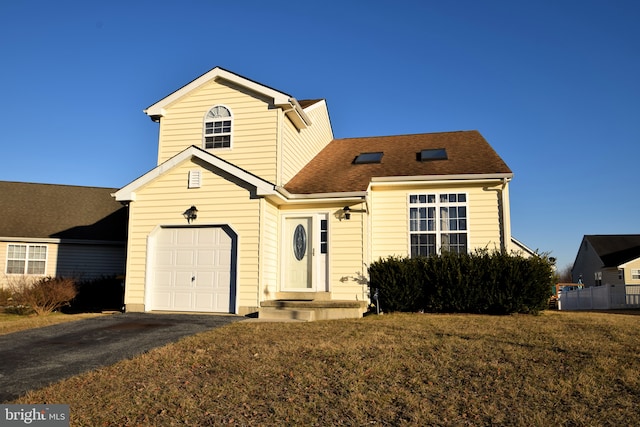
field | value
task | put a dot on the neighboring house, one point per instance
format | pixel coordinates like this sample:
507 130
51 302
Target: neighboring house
60 230
284 212
608 259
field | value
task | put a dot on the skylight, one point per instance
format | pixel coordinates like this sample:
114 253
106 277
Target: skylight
364 158
432 154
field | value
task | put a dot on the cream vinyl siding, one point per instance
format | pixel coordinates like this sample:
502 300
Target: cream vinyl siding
390 218
219 201
269 251
299 147
632 265
348 265
253 132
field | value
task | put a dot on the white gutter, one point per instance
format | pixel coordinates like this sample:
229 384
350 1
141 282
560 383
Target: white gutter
295 113
467 178
354 195
61 241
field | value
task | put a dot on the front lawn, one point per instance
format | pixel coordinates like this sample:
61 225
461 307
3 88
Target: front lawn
14 322
397 369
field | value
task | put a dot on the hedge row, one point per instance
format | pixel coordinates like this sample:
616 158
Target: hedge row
481 282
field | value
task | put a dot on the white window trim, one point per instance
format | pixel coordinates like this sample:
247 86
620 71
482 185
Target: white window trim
28 246
437 205
204 124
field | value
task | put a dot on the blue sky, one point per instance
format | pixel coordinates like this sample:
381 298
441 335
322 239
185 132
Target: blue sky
554 86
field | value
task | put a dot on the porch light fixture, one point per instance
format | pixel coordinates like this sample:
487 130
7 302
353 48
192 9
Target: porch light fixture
347 212
191 214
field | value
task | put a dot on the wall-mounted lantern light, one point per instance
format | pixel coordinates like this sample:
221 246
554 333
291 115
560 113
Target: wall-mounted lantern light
347 212
191 214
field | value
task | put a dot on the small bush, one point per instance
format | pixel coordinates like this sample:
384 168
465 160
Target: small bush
41 296
5 297
481 282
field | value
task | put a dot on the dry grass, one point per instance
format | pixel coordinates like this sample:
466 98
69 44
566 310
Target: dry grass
13 322
573 369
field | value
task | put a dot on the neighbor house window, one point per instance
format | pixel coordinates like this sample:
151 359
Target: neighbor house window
635 274
438 223
26 259
598 278
217 128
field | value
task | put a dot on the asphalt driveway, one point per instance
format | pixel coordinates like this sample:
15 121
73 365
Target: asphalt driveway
37 357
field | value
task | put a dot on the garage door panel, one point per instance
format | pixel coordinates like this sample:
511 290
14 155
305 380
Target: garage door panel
182 280
207 258
184 257
192 270
164 257
204 301
182 299
185 236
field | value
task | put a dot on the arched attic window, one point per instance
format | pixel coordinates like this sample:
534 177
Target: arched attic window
217 128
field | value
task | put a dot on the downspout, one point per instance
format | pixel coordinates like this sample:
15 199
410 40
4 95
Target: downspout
506 217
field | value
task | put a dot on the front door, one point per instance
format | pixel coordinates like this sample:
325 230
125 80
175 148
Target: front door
305 247
298 250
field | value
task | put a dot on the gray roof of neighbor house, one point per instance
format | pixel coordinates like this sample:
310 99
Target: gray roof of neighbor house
615 249
61 211
334 169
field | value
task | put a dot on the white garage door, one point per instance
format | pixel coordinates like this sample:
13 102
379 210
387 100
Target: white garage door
192 270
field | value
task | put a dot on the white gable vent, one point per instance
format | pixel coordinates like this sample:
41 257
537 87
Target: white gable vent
195 179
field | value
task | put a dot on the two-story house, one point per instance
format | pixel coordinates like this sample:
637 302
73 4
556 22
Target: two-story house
608 259
255 206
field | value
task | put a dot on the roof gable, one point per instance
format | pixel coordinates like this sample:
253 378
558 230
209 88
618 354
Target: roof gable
61 212
262 187
333 170
615 249
289 104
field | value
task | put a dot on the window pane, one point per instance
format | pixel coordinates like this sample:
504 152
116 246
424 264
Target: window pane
37 252
423 244
413 198
17 251
462 198
15 267
36 267
431 198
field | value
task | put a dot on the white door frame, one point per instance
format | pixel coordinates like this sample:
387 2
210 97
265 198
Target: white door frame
319 261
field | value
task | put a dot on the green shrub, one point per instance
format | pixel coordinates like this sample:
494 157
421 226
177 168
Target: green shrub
481 282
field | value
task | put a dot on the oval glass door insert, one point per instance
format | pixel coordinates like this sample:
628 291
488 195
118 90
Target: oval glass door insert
299 242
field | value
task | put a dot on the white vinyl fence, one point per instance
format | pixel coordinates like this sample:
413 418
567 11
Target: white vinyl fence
605 297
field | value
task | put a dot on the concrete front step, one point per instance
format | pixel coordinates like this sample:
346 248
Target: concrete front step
311 310
303 296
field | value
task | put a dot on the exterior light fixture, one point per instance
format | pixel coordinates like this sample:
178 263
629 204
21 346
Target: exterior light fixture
347 212
191 214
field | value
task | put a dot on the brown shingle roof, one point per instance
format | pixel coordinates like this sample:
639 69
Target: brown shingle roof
332 170
60 211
